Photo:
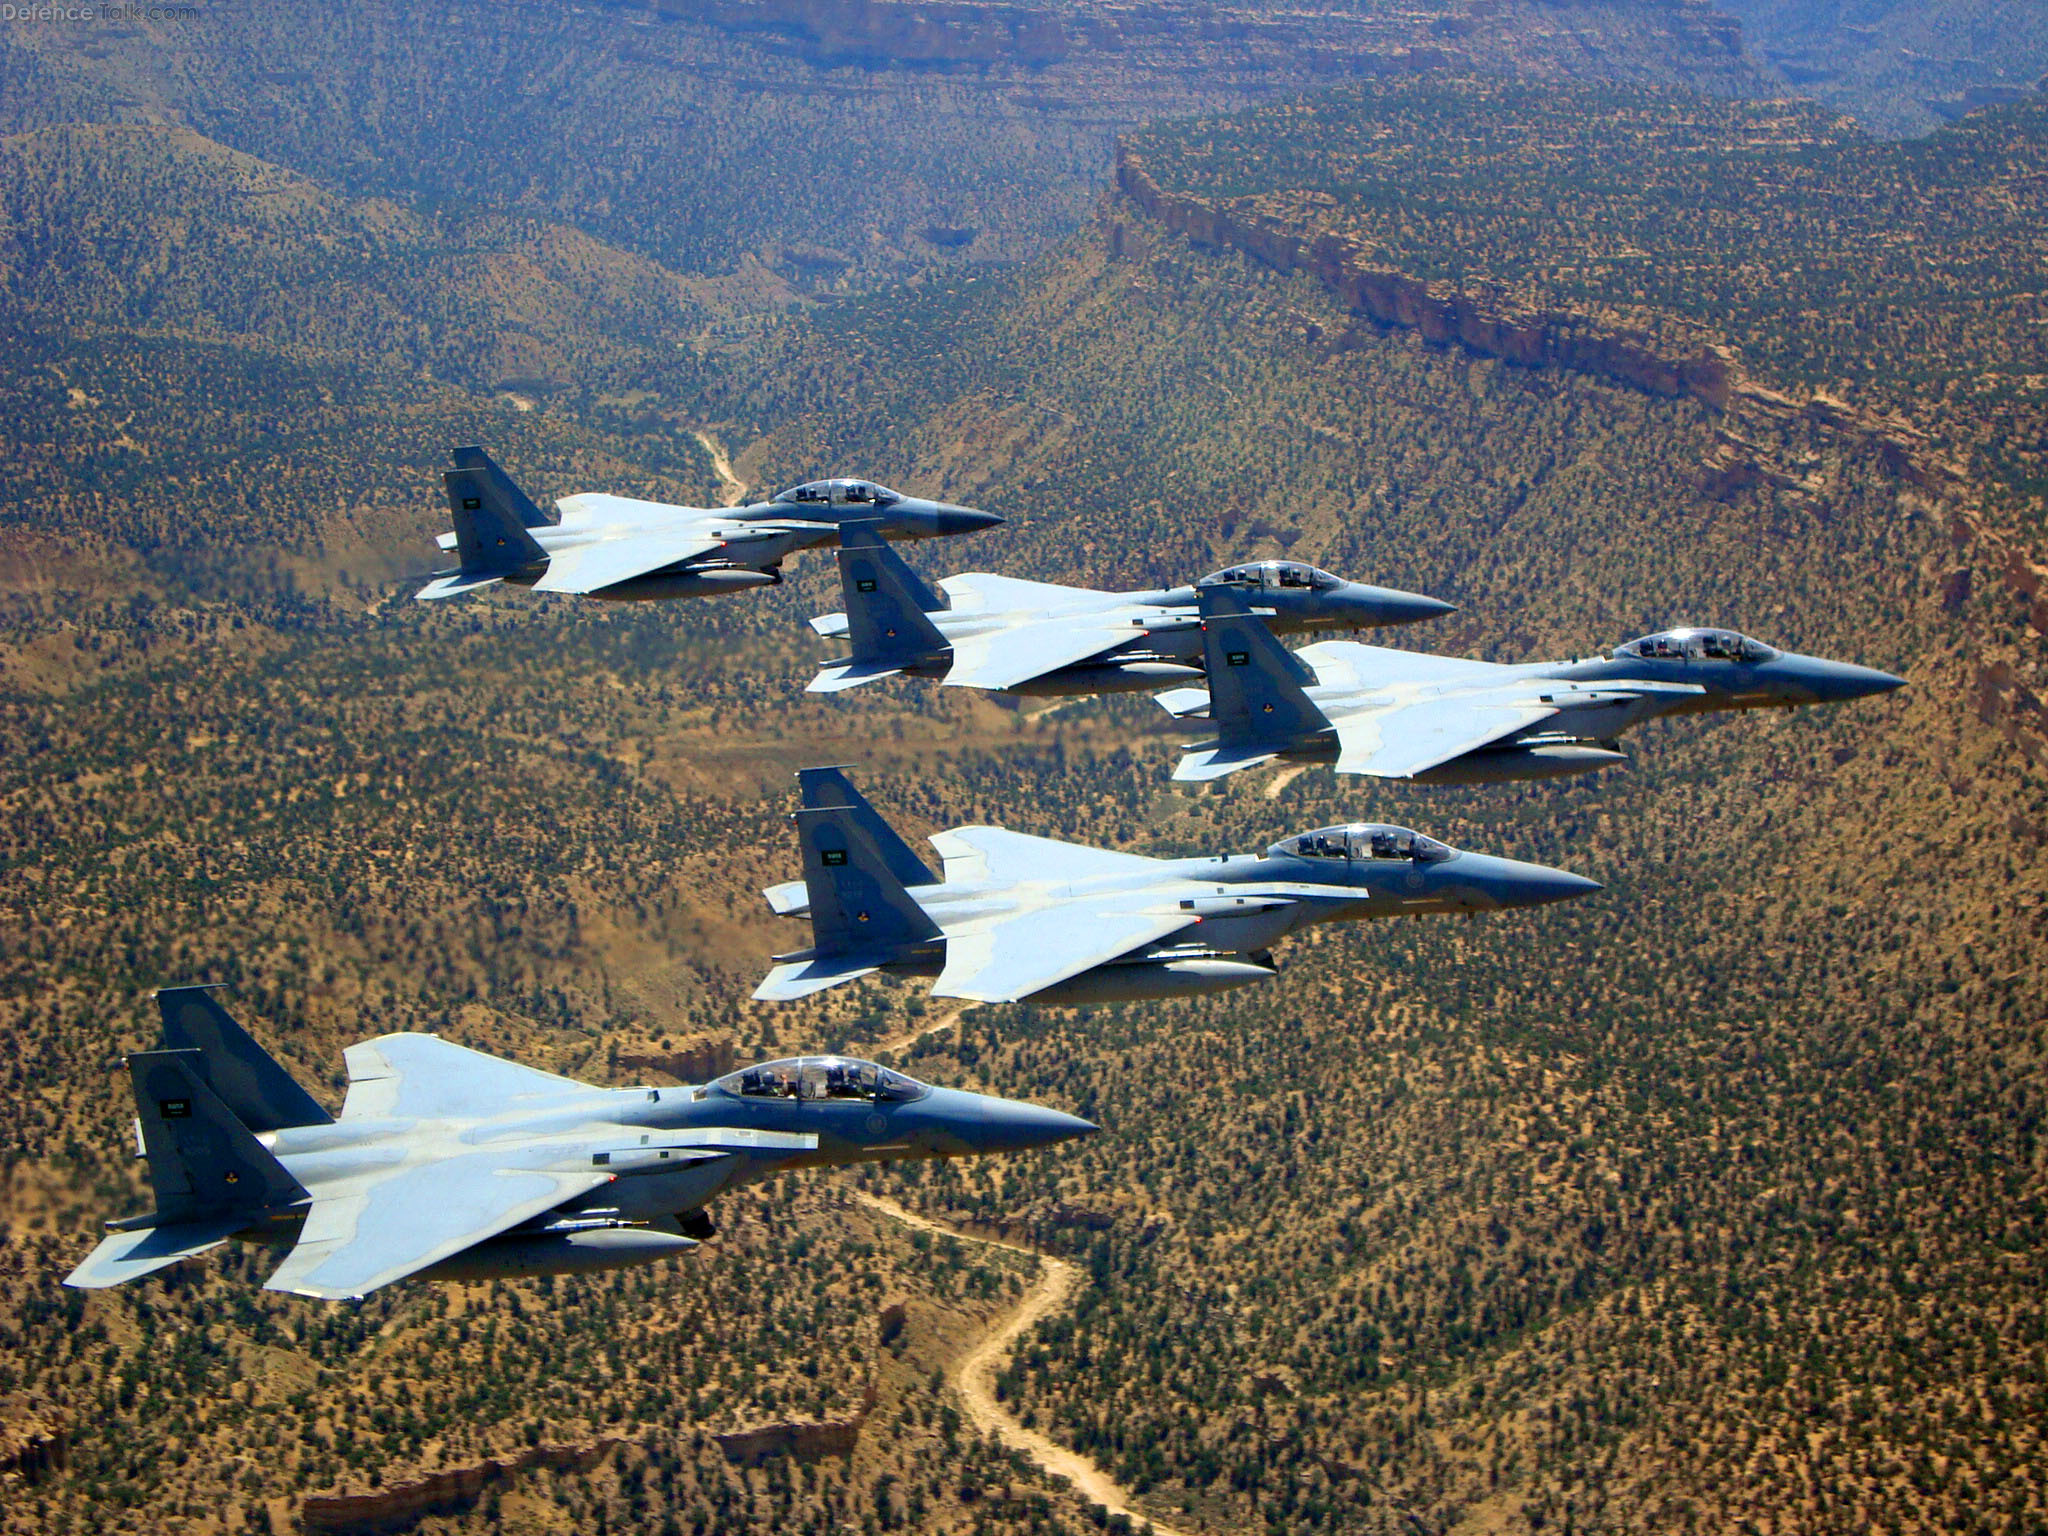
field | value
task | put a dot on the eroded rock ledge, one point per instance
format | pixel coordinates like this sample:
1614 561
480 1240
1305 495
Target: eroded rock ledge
398 1505
1709 373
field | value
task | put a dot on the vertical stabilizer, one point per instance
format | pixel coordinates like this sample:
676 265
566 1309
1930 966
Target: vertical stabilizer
1257 697
530 516
247 1078
203 1162
489 535
858 905
887 604
827 789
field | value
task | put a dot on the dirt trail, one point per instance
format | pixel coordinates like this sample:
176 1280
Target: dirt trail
1283 778
931 1026
973 1374
732 488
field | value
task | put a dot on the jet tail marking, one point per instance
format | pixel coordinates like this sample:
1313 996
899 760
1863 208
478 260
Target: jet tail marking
830 789
203 1162
507 489
860 906
1256 694
886 602
490 536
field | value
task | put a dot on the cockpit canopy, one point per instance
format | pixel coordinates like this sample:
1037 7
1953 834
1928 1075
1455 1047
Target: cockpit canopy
839 493
813 1078
1362 840
1695 645
1268 575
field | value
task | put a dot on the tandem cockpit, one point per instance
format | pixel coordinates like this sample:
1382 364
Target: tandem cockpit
822 1079
839 493
1273 576
1695 645
1362 840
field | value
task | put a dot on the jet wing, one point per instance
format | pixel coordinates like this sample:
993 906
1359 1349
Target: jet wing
1406 733
979 592
608 561
1003 959
1006 657
1400 740
994 856
423 1077
1347 664
368 1231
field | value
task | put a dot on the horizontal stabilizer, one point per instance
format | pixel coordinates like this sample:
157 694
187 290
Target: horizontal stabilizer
130 1255
1184 703
1207 763
454 584
841 676
833 626
800 978
788 899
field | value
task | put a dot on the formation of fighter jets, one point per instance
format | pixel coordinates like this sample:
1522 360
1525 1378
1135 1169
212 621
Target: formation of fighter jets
445 1163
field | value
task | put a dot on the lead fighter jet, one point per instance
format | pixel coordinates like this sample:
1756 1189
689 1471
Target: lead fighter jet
1445 720
1017 918
447 1164
624 550
1038 639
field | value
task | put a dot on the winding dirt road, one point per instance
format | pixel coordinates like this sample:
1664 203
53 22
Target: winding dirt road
973 1374
732 487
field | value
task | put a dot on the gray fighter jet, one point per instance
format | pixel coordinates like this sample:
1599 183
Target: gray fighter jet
1017 918
1444 720
447 1164
1033 638
623 550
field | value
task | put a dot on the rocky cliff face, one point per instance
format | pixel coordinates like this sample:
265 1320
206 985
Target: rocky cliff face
1281 233
400 1504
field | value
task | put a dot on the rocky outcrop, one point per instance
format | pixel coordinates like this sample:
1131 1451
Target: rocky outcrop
805 1439
397 1505
696 1060
1281 233
35 1444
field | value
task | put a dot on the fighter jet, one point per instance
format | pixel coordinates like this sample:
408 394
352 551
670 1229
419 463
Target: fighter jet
1444 720
447 1164
615 548
1017 918
1034 638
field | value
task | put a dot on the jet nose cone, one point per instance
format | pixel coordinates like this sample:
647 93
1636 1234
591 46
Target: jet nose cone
1378 607
951 519
1866 681
1510 883
1013 1127
1562 885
